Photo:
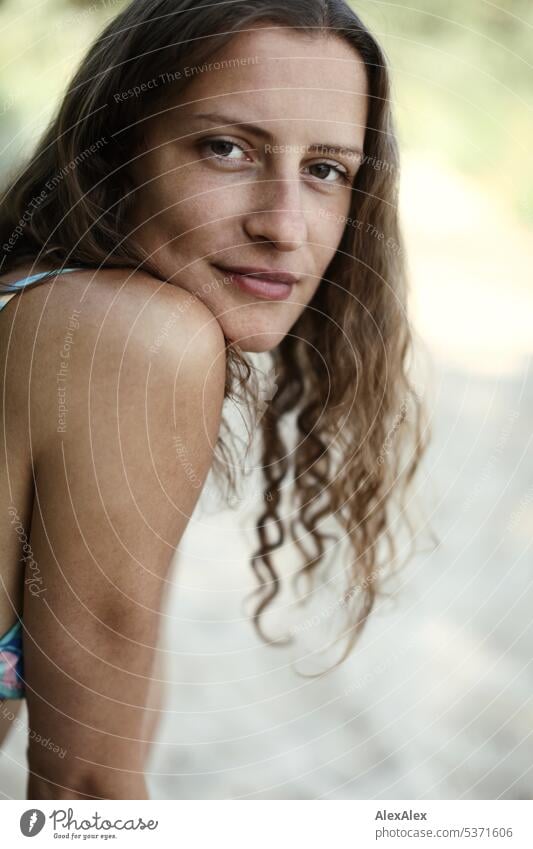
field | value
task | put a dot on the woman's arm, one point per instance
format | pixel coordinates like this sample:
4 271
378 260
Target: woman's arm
113 495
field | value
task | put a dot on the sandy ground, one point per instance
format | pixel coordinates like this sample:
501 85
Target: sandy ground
436 701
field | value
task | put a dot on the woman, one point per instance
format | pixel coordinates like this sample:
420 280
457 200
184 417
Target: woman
209 187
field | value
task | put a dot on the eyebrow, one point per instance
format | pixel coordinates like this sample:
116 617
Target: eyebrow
226 120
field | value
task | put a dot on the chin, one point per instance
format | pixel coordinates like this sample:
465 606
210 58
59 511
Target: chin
257 343
254 333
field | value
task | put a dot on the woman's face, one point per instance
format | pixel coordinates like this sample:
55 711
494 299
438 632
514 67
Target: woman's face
250 176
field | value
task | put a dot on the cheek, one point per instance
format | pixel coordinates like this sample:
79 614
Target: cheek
325 241
329 222
180 191
204 209
345 223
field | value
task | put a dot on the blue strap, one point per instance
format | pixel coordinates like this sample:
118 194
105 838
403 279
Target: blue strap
12 638
26 281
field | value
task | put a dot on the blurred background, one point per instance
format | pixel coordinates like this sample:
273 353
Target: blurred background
436 701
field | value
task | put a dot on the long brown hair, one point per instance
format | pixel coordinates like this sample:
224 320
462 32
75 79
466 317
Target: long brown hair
342 371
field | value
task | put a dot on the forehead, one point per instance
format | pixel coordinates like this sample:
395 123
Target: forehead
281 75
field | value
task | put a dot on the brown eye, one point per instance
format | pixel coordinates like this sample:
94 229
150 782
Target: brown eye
324 171
221 147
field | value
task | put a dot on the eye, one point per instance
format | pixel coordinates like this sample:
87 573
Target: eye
223 149
326 170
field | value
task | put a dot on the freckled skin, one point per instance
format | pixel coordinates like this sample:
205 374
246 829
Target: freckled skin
246 200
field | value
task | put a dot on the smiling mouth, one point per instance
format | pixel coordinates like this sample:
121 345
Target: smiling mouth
262 283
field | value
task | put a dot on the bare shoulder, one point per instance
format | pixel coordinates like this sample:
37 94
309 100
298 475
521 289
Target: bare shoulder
112 313
134 302
129 376
147 325
147 310
98 336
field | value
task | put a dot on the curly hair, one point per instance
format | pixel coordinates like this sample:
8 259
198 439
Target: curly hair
343 370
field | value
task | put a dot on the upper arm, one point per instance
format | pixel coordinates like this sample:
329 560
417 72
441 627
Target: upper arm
114 491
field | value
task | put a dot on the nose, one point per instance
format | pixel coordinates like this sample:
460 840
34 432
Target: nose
280 218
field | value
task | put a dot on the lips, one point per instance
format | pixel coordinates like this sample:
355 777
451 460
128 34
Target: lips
261 282
267 274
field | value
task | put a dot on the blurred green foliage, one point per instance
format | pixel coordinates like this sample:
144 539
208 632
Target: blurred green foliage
462 78
463 85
